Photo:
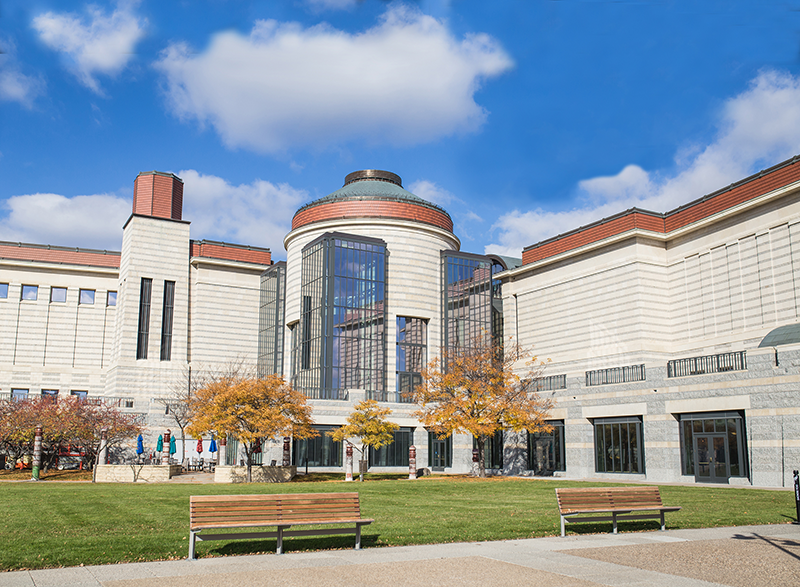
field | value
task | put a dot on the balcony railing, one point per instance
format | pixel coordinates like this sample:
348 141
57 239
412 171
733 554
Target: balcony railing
615 375
720 363
550 383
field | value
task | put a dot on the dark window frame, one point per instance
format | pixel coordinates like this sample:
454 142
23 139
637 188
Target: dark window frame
145 298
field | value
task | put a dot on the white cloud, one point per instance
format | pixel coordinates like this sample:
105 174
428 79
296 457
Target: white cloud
407 80
259 213
756 129
15 86
82 221
98 43
430 191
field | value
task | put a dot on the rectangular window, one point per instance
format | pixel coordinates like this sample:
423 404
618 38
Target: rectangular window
546 450
411 356
231 452
320 451
166 320
58 294
82 395
271 320
3 291
30 292
145 291
618 445
86 297
394 454
50 394
19 395
111 299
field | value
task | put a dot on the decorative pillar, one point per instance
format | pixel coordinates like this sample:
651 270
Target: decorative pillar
165 452
223 451
37 453
287 455
412 462
103 457
348 470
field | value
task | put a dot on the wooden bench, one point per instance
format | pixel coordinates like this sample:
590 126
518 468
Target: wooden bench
207 512
623 503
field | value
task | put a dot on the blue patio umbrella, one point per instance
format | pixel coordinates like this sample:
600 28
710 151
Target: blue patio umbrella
173 448
160 443
213 446
139 445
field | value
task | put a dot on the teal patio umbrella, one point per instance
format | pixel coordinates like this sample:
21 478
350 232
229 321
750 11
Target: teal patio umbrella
160 443
173 448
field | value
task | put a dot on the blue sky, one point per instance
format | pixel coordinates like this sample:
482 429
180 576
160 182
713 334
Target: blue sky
524 119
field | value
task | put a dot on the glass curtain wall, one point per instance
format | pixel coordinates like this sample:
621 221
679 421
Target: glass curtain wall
467 300
270 320
412 354
341 343
546 450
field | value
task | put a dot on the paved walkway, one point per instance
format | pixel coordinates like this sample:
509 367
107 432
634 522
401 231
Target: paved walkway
746 556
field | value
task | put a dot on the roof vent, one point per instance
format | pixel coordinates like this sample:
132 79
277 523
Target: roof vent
373 175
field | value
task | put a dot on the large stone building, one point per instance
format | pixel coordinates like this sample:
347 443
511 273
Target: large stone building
666 364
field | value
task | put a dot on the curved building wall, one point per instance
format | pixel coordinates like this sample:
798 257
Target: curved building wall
413 274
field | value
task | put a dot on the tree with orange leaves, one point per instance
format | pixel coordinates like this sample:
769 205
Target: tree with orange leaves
480 390
249 409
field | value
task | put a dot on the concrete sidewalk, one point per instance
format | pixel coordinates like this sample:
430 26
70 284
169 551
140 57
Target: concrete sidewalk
746 556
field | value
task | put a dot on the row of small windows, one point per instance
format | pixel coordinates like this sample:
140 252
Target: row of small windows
20 394
712 448
86 297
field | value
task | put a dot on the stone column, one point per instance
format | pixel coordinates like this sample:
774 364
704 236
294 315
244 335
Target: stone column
222 451
165 452
412 462
37 453
348 471
287 455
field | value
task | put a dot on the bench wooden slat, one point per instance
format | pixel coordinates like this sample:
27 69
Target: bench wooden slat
613 500
279 510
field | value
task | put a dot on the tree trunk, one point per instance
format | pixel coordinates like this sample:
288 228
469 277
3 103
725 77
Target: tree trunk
481 440
248 449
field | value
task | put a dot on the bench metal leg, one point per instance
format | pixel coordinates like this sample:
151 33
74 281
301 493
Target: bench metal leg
358 536
192 536
663 525
563 526
280 539
614 520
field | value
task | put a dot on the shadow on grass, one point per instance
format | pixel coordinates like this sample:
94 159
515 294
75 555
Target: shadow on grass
292 544
608 527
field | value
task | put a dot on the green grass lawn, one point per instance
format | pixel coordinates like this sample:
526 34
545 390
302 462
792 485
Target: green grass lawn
67 524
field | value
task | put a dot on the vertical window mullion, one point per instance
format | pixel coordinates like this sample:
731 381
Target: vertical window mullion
145 292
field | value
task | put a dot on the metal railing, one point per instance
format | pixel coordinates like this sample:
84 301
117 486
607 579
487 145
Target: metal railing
550 383
722 362
615 375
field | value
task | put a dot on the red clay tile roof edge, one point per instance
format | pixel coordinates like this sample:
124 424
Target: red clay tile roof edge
736 193
59 255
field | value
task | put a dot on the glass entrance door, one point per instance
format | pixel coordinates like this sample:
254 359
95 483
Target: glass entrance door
711 456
